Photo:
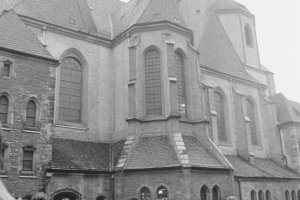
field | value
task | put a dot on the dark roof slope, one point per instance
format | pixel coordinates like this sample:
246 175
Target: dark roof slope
143 11
217 52
152 152
71 14
79 155
198 155
15 35
287 110
263 167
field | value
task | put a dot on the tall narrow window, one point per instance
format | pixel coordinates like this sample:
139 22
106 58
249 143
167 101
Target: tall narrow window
27 160
216 193
153 83
70 91
204 193
287 195
294 196
251 115
268 195
253 195
261 195
31 113
162 193
2 151
3 109
248 36
219 107
145 194
181 92
298 194
6 69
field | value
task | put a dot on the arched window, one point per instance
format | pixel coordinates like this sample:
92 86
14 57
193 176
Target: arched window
31 113
248 36
66 194
70 91
3 109
181 92
216 194
261 195
204 193
219 107
145 194
153 83
101 197
287 195
251 115
298 194
162 193
268 195
253 195
294 196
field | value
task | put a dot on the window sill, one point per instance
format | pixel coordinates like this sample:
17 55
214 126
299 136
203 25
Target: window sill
31 131
27 173
28 176
71 126
6 127
3 176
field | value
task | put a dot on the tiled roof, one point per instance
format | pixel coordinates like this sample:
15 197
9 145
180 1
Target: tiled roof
287 110
117 150
263 167
152 152
217 51
198 155
79 155
143 11
72 14
15 35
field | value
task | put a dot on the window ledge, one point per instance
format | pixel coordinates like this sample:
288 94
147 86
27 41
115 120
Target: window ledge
31 131
3 176
28 176
6 129
71 126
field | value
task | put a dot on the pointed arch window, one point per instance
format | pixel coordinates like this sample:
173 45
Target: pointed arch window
294 196
153 83
216 194
253 128
181 91
287 195
4 109
268 195
204 193
219 107
261 195
249 36
31 114
298 194
145 194
253 195
70 91
162 193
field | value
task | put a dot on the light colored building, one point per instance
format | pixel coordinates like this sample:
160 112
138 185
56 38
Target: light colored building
152 99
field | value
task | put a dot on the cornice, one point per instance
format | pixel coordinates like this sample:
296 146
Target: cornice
258 70
246 82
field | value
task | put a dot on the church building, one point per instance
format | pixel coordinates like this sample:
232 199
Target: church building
145 100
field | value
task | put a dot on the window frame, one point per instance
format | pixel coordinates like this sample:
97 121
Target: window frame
217 189
205 189
249 39
7 64
160 188
253 122
36 126
7 110
32 150
144 188
253 195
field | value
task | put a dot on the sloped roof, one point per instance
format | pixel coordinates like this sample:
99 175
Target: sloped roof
198 155
263 168
79 155
217 52
152 152
287 110
15 35
143 11
228 5
73 14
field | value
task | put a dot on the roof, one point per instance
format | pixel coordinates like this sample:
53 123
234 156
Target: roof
144 11
217 52
263 168
73 14
15 35
287 110
228 5
152 152
198 155
79 155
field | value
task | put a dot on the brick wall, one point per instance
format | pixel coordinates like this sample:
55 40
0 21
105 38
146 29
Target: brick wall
28 79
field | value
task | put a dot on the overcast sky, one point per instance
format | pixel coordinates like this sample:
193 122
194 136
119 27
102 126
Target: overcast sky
278 33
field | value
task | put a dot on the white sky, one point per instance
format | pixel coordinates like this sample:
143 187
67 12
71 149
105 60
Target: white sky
278 34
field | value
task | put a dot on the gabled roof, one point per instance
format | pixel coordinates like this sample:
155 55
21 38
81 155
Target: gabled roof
79 155
143 11
287 110
217 52
15 35
263 168
74 14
